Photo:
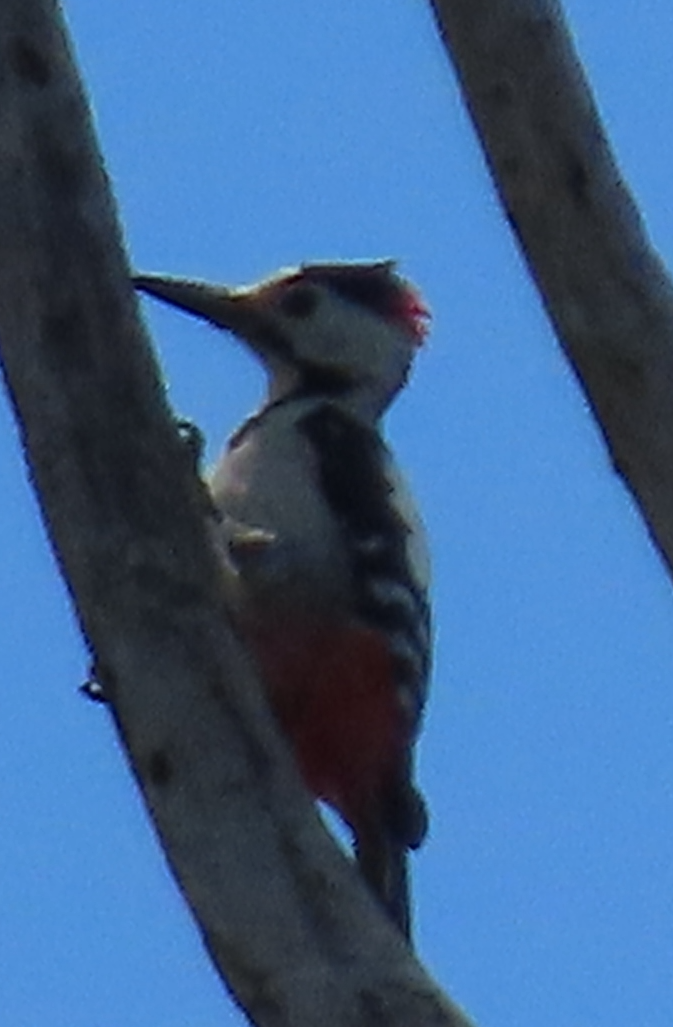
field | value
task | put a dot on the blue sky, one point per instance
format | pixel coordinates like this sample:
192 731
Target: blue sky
241 137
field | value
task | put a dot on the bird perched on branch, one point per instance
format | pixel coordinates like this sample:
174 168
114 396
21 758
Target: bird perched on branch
329 556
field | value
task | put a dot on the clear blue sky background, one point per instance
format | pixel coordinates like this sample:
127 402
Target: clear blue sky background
241 137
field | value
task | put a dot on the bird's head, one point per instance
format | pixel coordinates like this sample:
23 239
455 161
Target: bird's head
333 328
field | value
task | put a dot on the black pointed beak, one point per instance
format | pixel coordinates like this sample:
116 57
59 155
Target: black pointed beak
236 310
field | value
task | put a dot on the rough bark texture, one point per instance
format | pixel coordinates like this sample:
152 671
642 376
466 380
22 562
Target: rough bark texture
284 917
605 289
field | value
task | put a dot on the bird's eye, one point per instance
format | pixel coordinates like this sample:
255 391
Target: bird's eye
299 301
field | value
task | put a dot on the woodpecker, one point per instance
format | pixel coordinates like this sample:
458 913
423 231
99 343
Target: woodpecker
329 558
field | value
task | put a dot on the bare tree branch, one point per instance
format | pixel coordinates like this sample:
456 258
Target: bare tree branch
282 913
605 289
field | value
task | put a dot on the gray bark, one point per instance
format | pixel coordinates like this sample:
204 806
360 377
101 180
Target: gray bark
284 917
606 291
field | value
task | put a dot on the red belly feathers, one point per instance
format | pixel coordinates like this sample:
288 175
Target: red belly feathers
332 690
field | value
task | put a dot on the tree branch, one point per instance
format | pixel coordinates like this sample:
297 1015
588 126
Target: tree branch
284 917
605 289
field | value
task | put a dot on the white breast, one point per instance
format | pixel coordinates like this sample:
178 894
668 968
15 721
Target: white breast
268 481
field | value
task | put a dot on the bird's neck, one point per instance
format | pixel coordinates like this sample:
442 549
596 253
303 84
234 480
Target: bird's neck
359 400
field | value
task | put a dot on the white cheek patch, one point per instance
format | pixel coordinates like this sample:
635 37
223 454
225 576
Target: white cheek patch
348 336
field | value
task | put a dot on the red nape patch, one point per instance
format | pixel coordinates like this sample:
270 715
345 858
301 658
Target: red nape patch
333 691
414 313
